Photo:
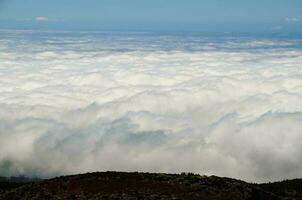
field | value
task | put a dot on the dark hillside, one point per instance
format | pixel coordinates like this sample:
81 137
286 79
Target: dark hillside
289 189
119 185
14 182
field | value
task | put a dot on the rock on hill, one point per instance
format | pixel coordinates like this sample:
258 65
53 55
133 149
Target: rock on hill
120 185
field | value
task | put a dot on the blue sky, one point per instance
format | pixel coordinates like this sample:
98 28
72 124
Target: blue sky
152 14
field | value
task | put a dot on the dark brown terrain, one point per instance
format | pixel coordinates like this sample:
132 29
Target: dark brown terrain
120 185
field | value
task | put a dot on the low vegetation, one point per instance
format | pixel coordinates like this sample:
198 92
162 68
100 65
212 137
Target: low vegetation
119 185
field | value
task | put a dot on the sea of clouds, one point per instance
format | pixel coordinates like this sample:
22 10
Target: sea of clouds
94 101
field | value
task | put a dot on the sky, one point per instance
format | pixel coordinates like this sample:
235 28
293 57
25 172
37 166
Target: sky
271 15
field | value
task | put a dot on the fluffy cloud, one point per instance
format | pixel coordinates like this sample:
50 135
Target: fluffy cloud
78 102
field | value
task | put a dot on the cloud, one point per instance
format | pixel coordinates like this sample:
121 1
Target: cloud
42 18
292 19
75 103
276 28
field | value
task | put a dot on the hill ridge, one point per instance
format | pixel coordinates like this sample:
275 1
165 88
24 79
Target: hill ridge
139 185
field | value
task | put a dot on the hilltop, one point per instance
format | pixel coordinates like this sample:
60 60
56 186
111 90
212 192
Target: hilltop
121 185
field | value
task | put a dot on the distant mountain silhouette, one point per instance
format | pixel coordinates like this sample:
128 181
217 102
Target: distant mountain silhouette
121 185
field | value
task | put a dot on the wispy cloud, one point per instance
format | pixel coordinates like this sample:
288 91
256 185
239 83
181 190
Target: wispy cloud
42 18
292 19
276 28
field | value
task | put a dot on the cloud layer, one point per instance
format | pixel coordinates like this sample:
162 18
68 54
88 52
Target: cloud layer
78 102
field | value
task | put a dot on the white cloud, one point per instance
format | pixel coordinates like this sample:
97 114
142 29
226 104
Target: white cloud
73 104
292 19
42 18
